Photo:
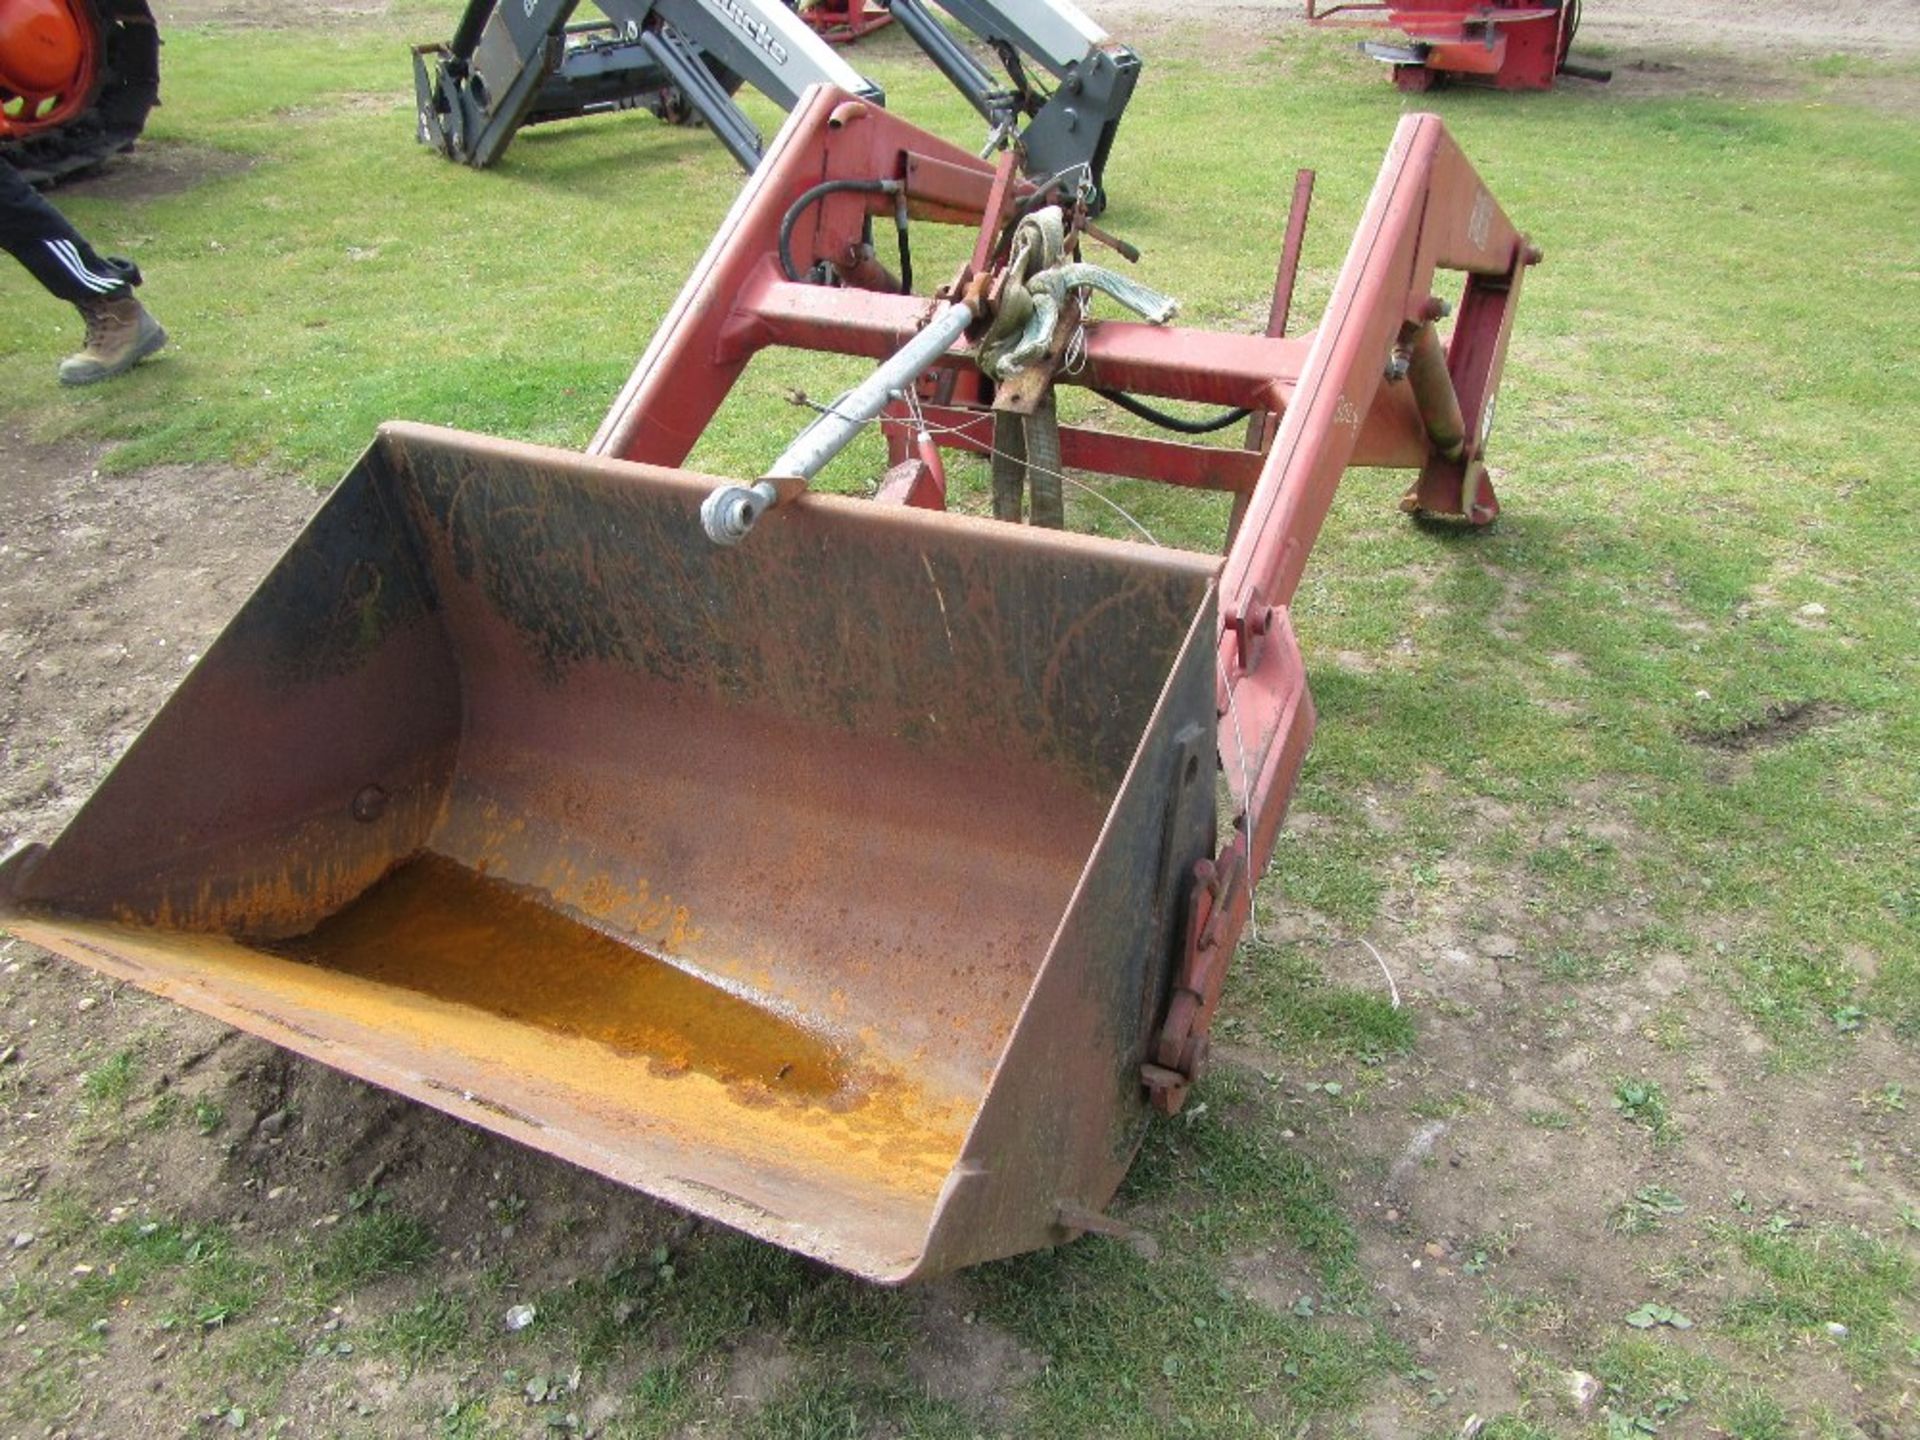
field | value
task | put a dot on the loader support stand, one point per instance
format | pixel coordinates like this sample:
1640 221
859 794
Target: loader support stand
1262 424
1429 211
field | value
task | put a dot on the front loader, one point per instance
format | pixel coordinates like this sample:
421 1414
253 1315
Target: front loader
528 62
847 871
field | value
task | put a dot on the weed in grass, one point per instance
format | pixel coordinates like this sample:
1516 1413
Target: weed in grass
1653 1378
1642 1214
374 1243
1889 1099
1813 1279
107 1085
208 1115
422 1332
1549 1119
1644 1103
1653 1313
1755 1415
470 1419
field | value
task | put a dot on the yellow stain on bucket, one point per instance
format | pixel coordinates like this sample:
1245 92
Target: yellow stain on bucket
435 927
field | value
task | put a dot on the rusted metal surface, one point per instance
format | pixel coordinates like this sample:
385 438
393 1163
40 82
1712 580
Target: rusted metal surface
854 828
858 885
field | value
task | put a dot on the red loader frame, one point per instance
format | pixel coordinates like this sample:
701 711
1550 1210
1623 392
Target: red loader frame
1372 385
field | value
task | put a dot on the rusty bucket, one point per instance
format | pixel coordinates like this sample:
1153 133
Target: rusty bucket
825 886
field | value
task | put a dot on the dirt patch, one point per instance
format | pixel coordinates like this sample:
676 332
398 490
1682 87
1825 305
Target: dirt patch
966 1361
155 169
266 14
1776 725
1508 1208
1723 48
1765 27
110 587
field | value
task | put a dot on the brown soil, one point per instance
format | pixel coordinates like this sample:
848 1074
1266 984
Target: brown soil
164 168
1733 48
1489 1169
268 14
1861 27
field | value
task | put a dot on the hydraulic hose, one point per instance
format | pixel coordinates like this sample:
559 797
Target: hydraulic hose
1133 405
814 194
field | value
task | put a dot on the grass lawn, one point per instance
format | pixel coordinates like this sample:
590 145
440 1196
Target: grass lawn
1648 752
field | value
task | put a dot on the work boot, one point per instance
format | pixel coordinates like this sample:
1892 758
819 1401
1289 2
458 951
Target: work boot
120 334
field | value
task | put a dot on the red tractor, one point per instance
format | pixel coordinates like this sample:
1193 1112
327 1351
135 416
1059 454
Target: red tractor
77 78
1509 44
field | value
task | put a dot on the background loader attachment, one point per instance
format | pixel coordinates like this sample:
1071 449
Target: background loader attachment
841 22
1093 77
860 884
519 64
1508 44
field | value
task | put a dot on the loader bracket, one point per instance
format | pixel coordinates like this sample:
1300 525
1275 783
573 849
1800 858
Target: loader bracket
1218 900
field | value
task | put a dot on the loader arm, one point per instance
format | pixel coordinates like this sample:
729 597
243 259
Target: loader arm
1071 127
525 63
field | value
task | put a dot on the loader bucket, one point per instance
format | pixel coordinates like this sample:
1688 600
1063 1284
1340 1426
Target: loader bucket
825 886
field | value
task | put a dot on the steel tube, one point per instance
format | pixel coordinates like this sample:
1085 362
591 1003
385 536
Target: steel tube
731 510
1433 391
828 435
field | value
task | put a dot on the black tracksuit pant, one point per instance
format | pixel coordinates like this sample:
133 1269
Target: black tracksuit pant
39 237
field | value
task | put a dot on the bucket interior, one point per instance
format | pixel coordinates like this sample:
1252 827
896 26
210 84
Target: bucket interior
726 873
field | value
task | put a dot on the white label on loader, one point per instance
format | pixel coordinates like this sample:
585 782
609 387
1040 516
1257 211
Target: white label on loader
1481 221
754 28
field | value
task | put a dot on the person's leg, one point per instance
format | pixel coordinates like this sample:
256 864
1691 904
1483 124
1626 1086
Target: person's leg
120 332
57 255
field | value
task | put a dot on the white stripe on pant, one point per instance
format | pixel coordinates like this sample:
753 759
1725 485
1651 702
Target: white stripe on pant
69 258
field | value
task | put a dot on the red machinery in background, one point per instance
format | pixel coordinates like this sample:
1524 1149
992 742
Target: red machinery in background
841 22
1509 44
77 78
